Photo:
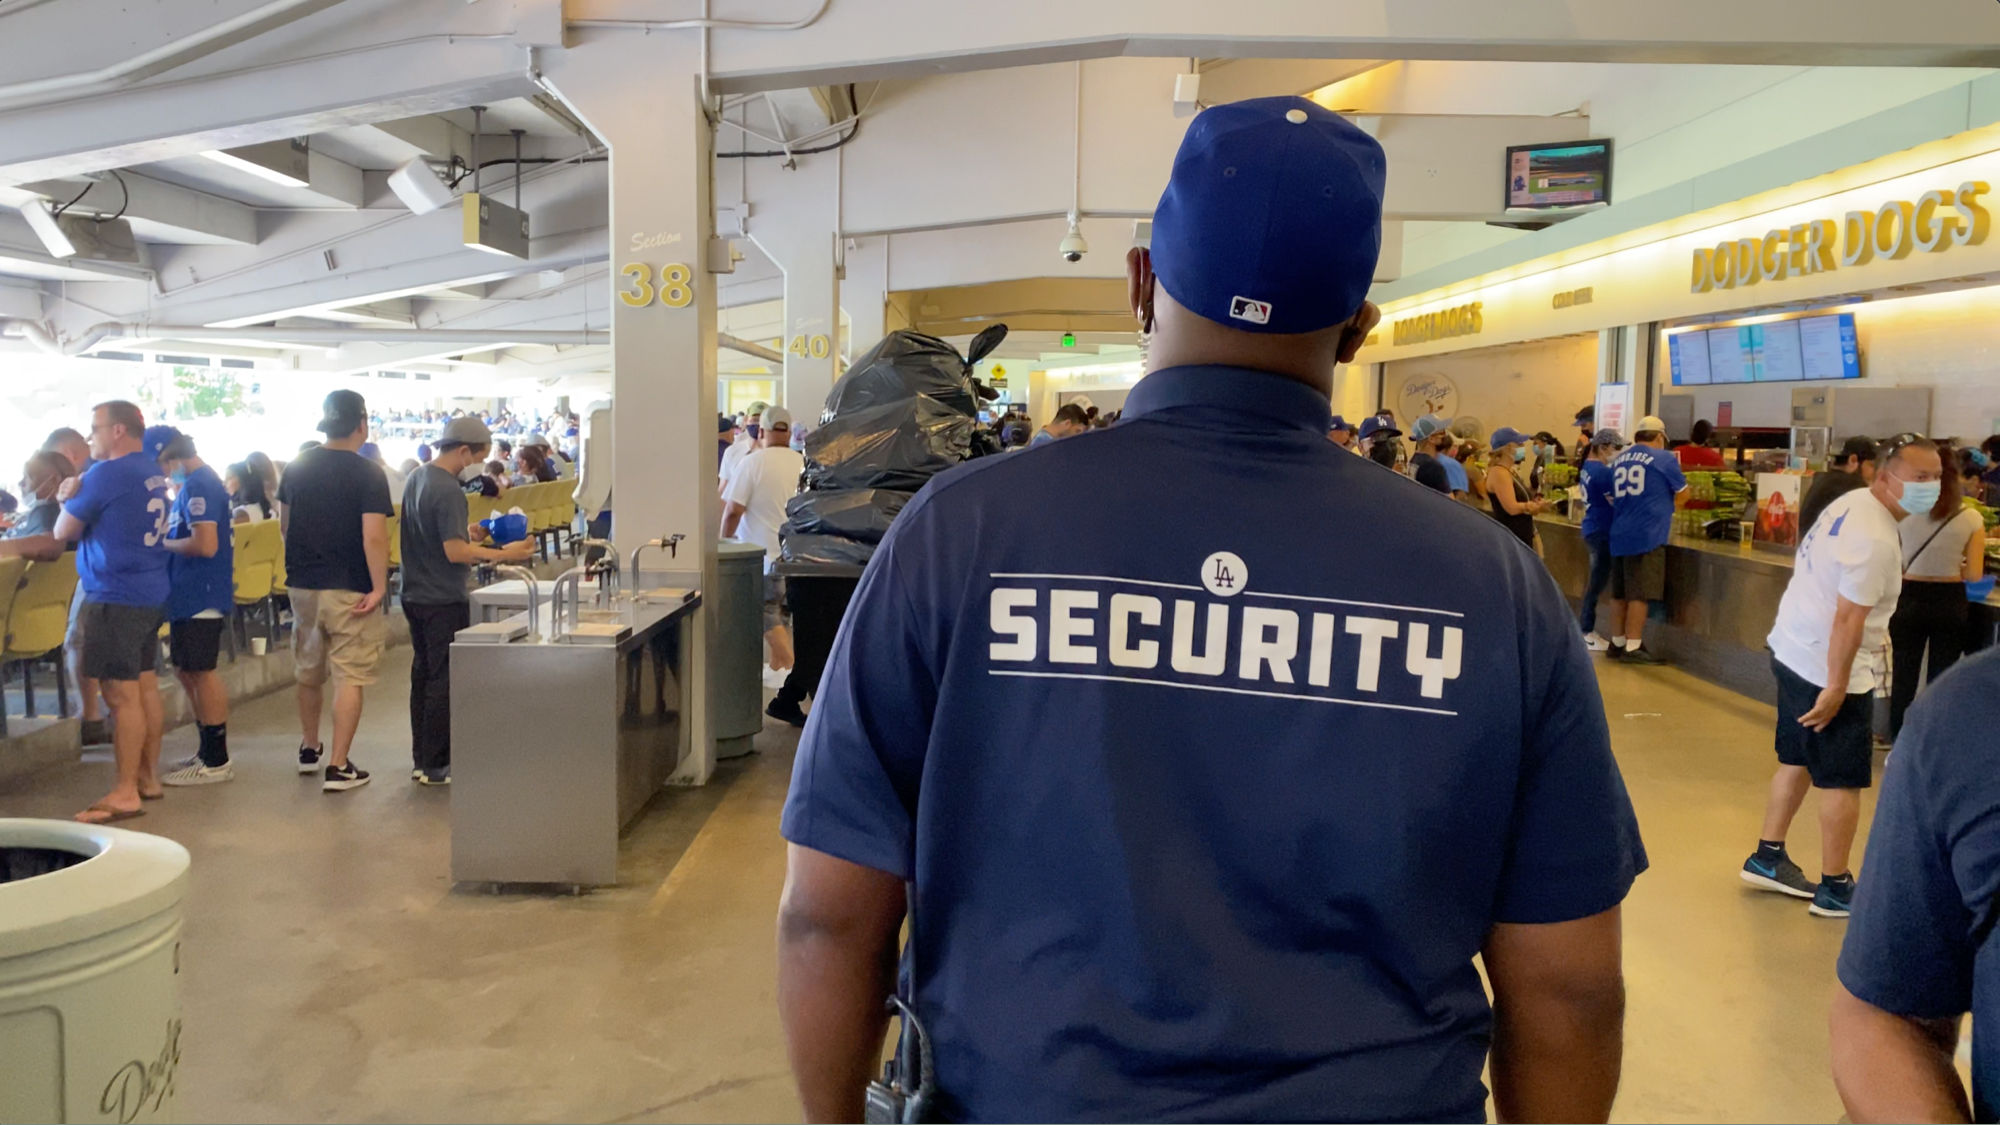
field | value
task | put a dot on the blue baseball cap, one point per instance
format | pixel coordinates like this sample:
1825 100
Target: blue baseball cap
1272 218
1374 426
1340 423
157 439
1506 435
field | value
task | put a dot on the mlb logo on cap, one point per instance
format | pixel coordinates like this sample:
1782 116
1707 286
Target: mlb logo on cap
1256 312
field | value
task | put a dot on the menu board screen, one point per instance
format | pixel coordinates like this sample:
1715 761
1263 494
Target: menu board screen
1778 359
1687 353
1828 348
1729 355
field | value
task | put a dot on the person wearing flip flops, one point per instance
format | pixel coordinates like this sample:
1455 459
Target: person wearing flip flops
117 516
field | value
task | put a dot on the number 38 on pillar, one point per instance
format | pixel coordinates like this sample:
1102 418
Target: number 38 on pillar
675 289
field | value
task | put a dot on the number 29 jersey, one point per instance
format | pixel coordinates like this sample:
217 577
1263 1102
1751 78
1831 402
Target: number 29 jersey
124 507
1643 483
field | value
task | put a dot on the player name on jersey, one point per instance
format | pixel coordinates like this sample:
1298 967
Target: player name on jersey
1138 631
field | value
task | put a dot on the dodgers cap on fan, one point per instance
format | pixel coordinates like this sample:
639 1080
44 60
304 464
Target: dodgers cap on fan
1272 218
1506 435
156 440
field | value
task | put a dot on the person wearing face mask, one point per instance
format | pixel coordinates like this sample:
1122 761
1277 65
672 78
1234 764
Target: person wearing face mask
201 594
440 543
1944 547
1832 621
40 477
1986 459
1644 481
746 443
1513 505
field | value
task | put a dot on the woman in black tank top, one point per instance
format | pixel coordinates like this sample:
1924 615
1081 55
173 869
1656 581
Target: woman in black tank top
1511 502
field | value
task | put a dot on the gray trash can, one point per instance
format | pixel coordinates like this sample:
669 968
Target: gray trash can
736 697
90 1002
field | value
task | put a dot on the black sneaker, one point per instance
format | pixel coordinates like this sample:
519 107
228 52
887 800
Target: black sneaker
310 758
1834 900
1640 656
1783 876
434 777
349 776
1616 651
786 711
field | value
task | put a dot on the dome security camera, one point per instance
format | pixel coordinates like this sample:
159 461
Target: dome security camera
1073 247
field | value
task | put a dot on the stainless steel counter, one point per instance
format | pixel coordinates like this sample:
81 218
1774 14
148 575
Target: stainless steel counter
1720 605
556 747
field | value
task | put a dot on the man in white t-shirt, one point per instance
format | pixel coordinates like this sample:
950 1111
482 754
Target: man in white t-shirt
746 443
1831 625
753 510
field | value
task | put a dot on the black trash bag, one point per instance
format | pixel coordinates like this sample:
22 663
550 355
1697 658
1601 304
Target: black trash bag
860 514
903 413
826 550
891 445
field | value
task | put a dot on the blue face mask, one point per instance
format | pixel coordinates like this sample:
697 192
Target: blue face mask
178 476
754 430
1520 454
1920 496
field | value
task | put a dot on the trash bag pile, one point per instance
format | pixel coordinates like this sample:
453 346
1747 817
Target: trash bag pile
903 413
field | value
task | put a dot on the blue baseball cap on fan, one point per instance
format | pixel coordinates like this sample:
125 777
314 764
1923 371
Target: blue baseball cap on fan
156 439
1272 218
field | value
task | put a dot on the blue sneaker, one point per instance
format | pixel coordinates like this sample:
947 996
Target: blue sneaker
1835 898
1782 876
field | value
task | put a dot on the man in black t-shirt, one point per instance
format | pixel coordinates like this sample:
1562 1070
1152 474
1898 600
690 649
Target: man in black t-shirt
334 506
1853 468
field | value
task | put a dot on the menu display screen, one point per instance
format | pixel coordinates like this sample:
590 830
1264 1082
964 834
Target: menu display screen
1779 351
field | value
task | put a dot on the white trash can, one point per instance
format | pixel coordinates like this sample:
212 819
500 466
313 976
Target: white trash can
90 1004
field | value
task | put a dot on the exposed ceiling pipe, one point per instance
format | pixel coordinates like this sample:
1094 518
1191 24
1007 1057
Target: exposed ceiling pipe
168 55
738 344
45 337
706 23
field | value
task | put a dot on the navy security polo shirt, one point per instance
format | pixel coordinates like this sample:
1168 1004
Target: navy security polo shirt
1922 942
1207 801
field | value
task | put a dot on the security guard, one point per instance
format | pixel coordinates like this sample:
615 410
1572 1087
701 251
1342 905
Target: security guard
1203 809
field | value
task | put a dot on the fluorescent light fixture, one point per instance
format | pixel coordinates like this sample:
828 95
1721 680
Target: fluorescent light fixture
418 187
493 227
286 163
42 221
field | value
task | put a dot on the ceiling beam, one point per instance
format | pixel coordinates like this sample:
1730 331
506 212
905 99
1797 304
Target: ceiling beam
158 211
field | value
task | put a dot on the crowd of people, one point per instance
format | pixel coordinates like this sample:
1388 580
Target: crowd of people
150 525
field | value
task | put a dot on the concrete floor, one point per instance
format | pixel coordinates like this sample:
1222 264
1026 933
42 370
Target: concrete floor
333 973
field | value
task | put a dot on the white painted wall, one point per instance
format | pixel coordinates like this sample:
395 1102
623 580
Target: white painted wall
1671 124
1532 386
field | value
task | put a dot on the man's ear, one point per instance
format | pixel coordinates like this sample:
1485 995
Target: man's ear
1139 285
1355 332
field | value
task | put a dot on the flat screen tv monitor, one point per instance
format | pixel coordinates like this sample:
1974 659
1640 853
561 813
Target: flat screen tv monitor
1785 351
1557 176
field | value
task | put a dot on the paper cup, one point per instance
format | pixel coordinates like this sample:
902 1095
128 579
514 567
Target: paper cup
257 646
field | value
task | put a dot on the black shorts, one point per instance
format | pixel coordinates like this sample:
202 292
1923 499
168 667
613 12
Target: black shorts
1839 757
196 643
120 642
1640 578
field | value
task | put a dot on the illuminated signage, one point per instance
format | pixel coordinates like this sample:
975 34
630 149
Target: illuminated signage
1936 222
1465 320
1574 297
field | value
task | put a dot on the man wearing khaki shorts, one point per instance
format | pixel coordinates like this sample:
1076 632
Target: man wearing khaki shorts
334 506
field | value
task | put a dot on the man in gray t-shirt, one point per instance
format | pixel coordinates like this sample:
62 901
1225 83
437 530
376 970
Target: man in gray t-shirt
439 548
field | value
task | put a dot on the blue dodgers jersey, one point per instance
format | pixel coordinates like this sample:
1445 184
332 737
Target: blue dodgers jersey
1643 483
199 585
1922 941
1207 803
123 505
1595 477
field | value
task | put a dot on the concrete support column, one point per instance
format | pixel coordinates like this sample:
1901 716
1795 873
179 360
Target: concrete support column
796 231
864 289
638 94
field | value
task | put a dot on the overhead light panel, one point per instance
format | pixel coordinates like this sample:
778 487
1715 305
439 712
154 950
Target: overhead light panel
43 222
418 187
286 163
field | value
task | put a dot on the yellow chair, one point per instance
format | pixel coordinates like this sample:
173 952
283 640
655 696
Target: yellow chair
259 549
37 621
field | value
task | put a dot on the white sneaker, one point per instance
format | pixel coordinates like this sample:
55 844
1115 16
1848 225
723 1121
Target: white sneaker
1595 643
193 772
